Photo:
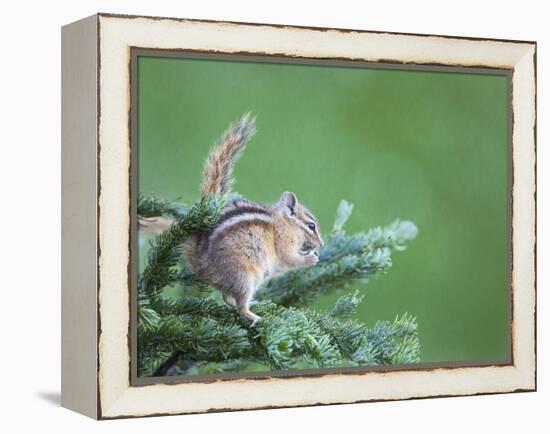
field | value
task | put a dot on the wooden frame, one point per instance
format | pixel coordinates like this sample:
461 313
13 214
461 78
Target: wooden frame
96 135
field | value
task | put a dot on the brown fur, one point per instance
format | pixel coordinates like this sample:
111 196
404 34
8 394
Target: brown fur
251 243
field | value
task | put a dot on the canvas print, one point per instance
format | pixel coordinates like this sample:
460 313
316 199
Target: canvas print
303 217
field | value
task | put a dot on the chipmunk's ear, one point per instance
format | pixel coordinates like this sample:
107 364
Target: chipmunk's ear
288 201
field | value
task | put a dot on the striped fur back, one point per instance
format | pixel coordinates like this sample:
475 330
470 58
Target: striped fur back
237 213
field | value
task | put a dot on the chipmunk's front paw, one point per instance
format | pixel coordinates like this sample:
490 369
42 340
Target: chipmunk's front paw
312 258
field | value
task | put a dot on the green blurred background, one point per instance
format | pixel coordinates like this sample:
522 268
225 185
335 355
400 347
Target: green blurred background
430 147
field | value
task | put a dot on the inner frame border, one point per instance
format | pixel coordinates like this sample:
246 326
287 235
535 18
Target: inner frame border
252 57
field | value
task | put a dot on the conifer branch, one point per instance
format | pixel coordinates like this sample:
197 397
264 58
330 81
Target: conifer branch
203 334
152 206
342 260
166 251
204 330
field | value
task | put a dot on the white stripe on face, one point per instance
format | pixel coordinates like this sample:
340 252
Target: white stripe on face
238 219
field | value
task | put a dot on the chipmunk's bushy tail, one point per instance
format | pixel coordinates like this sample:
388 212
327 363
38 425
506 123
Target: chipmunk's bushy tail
218 168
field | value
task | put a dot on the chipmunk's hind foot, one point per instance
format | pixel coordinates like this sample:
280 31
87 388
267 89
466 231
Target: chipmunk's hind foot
243 306
247 313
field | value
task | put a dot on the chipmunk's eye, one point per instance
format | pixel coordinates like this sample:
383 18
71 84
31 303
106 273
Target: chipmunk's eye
311 226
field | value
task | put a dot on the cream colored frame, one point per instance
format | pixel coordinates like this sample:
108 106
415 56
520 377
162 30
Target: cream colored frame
101 387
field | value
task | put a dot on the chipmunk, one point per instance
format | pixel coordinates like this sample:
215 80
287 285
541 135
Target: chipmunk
251 242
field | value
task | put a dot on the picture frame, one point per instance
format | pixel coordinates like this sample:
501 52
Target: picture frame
99 224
